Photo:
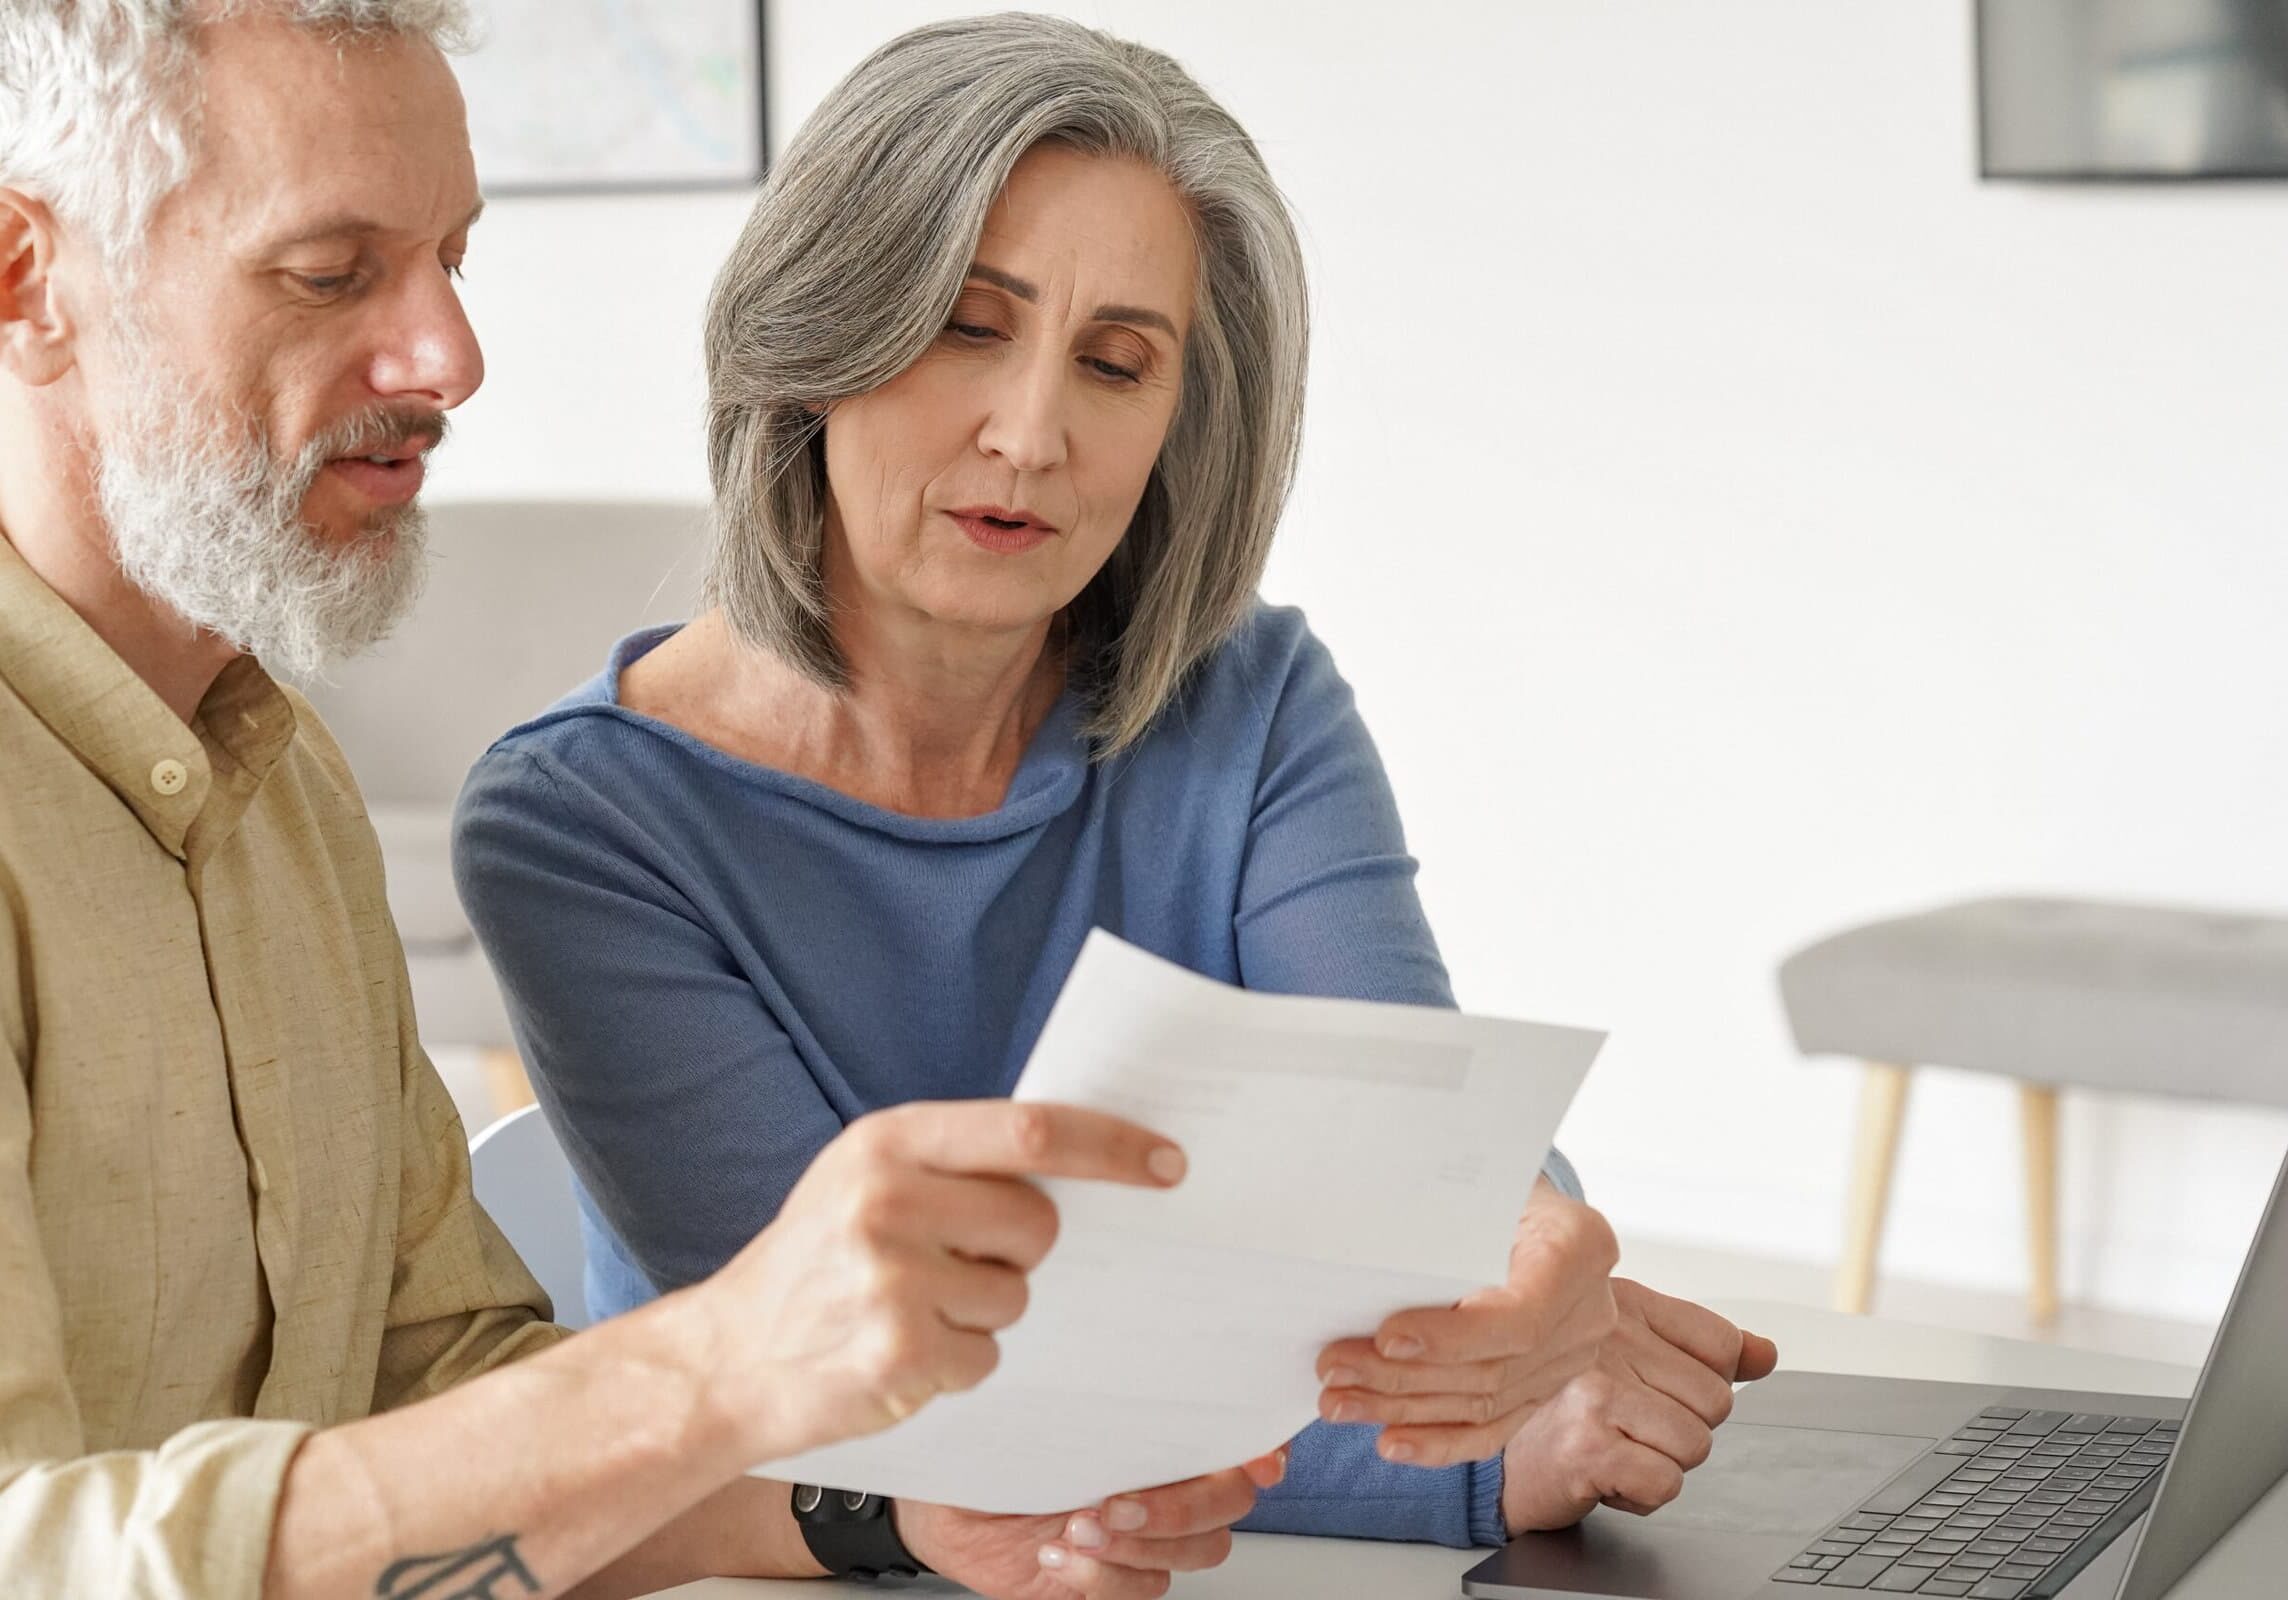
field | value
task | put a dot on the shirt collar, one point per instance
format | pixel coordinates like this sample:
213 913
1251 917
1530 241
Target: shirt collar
116 724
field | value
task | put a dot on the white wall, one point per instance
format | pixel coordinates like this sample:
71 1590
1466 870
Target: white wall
1737 521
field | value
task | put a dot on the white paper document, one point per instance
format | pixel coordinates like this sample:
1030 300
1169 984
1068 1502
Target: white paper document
1348 1160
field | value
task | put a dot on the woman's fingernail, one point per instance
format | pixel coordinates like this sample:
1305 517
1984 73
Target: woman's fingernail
1085 1532
1345 1411
1124 1516
1053 1557
1168 1164
1397 1450
1403 1349
1342 1378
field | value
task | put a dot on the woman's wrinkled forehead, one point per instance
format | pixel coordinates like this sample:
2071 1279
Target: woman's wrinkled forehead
1090 237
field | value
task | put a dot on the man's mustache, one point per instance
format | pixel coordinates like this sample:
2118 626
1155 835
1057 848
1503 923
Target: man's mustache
378 430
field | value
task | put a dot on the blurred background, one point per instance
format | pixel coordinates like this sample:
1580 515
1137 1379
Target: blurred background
1739 519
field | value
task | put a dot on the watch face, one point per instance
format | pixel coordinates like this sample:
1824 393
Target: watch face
852 1500
807 1497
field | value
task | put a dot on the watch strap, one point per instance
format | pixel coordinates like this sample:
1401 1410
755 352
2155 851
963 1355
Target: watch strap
852 1535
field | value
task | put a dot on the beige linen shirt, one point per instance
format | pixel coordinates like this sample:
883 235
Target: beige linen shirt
234 1196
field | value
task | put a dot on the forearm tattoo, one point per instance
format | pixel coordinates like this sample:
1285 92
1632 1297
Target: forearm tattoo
481 1572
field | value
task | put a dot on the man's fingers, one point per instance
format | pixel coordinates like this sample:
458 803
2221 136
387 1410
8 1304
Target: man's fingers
1195 1552
1030 1139
1759 1358
1176 1510
987 1219
1267 1472
1081 1573
980 1296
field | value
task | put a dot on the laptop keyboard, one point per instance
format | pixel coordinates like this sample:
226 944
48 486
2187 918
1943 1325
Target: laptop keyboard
2010 1508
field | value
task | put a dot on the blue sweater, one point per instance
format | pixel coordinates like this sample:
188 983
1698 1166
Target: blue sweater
713 966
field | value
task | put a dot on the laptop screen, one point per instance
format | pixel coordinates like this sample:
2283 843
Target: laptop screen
2234 1445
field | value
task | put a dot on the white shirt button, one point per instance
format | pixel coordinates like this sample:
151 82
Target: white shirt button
169 776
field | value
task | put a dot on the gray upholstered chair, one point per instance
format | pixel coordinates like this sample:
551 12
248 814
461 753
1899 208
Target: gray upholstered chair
2150 999
524 600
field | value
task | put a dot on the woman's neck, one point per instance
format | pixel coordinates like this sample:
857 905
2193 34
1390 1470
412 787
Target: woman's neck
934 721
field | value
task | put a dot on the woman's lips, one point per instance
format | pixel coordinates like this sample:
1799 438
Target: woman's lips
998 535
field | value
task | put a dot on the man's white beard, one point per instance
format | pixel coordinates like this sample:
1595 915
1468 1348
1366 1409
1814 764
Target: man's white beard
207 520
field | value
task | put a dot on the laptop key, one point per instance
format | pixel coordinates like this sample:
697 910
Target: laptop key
1998 1589
1796 1575
1920 1478
1856 1573
2085 1423
1944 1586
1900 1580
1864 1520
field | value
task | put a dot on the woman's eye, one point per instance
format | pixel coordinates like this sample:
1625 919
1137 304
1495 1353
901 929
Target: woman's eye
971 330
1112 370
326 283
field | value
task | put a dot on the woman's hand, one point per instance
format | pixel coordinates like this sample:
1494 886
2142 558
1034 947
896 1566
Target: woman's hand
1454 1384
895 1261
1125 1549
1625 1432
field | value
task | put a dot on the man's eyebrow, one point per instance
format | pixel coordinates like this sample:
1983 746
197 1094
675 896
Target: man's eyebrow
349 225
1140 316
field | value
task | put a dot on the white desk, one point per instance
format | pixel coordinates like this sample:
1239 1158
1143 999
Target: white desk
2247 1565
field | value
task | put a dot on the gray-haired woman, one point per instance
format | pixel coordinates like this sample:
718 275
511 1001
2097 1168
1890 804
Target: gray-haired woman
1006 380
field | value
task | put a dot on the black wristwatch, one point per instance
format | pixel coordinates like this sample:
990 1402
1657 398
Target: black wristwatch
852 1535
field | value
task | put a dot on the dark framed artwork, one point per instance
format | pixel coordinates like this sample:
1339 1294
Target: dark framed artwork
572 96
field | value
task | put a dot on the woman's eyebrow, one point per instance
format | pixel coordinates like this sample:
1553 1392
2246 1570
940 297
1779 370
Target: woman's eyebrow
1023 289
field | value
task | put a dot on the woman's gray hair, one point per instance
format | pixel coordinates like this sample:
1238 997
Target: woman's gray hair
99 106
852 261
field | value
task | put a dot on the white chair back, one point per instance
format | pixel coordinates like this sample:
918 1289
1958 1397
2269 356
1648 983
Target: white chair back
524 1183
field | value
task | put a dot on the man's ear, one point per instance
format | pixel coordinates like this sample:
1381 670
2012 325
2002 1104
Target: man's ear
35 330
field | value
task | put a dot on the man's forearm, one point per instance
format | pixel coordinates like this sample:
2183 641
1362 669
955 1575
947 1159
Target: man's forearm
536 1476
745 1529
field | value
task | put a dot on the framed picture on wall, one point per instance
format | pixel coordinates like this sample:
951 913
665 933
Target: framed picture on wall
572 95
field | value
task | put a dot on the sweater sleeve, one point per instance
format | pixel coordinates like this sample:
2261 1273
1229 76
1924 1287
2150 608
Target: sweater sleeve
1327 906
649 1048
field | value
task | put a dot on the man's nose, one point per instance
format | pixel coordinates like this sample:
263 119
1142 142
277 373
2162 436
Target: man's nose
428 352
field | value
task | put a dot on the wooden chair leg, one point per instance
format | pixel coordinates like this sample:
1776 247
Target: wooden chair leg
1882 1110
505 1081
2038 1119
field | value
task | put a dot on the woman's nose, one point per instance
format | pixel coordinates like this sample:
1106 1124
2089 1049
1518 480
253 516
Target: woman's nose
1026 426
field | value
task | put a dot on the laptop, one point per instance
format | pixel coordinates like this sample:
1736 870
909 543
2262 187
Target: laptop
1824 1486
